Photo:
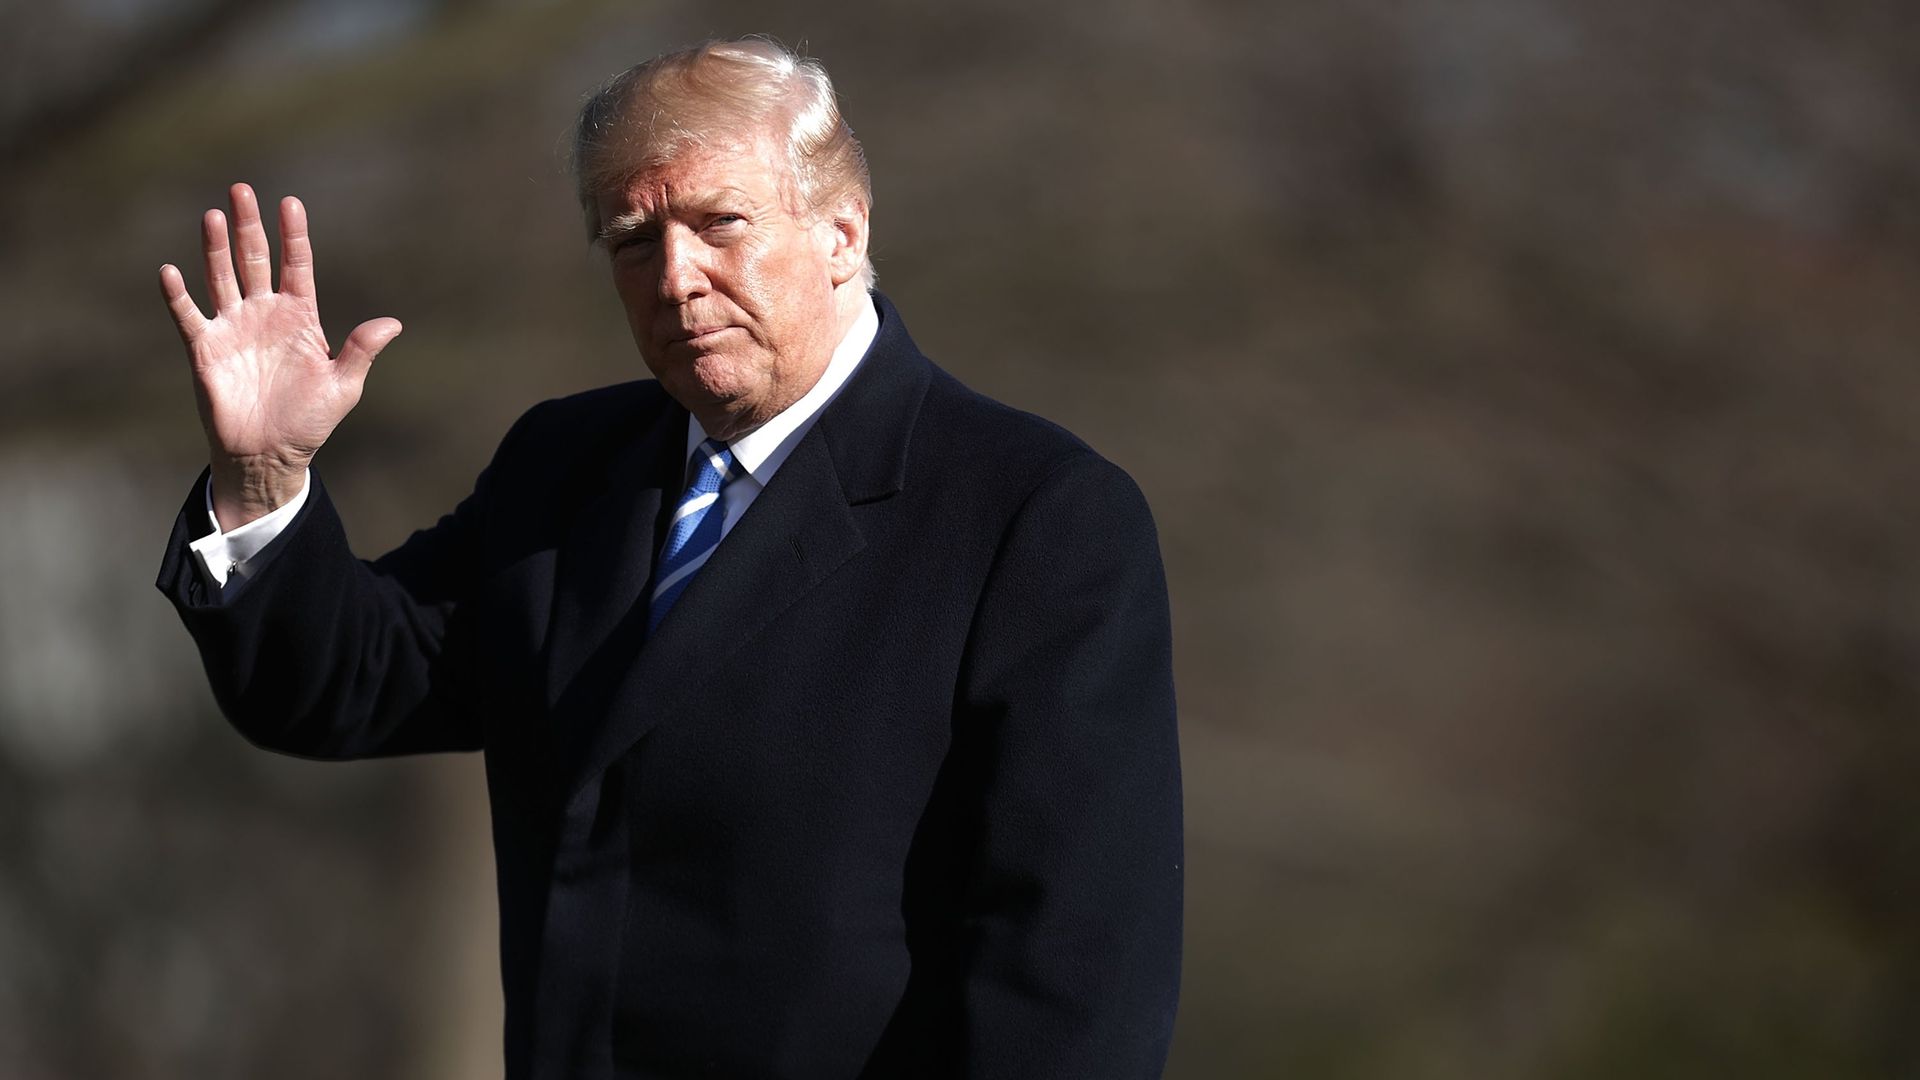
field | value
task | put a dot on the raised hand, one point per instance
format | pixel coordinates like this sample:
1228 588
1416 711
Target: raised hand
270 389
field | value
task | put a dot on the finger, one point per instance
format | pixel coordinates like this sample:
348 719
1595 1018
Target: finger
250 240
221 286
365 343
186 314
296 251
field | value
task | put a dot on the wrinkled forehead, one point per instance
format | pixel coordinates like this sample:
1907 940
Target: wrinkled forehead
750 164
750 174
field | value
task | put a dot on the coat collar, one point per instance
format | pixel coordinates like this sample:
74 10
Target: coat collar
609 685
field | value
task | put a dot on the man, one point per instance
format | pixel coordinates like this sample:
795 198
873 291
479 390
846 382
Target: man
826 704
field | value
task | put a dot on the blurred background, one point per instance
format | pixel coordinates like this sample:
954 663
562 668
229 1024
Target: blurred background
1525 389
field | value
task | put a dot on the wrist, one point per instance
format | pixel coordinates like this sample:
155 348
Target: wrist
244 490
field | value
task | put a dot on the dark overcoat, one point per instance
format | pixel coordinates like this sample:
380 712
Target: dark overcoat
893 791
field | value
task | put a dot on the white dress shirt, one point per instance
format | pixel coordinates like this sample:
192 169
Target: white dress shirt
759 453
224 555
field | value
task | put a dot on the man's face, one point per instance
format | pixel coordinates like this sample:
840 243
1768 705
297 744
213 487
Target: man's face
729 290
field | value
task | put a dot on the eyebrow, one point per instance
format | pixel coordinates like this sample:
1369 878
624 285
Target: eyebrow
621 226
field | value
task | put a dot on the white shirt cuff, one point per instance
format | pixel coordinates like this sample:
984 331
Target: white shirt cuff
224 555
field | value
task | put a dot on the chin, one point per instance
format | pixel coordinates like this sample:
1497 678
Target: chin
709 390
720 378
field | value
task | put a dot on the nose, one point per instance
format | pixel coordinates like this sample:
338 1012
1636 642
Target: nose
682 271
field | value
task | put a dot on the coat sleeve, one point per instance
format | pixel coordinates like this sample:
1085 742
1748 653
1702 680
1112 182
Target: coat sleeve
319 654
1073 902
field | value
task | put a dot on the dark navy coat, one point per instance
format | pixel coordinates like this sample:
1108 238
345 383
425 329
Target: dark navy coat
892 792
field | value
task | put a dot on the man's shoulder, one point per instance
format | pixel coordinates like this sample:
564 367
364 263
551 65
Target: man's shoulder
963 446
992 441
952 423
1005 476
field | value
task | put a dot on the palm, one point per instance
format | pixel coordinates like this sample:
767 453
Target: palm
270 391
266 379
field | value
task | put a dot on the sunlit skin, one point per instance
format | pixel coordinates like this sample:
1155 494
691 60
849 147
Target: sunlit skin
735 295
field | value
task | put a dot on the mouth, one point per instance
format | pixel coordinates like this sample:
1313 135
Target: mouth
697 335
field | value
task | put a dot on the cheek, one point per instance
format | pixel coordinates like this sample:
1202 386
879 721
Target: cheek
753 283
635 290
771 277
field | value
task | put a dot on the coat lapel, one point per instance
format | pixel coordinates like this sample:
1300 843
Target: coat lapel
797 532
607 558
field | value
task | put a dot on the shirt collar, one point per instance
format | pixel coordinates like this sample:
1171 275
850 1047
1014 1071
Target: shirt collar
761 451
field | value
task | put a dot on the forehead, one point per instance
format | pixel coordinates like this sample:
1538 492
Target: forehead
697 177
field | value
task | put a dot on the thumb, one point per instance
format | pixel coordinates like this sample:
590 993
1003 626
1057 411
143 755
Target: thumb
365 343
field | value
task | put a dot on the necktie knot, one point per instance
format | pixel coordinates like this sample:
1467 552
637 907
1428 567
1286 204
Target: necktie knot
714 462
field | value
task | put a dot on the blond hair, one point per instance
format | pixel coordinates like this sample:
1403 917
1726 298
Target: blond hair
716 93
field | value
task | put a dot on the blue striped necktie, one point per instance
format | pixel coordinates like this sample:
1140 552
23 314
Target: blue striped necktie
695 531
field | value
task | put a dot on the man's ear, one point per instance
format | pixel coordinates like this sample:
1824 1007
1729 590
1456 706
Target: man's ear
849 254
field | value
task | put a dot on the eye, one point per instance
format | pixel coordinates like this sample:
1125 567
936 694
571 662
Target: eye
633 244
725 220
